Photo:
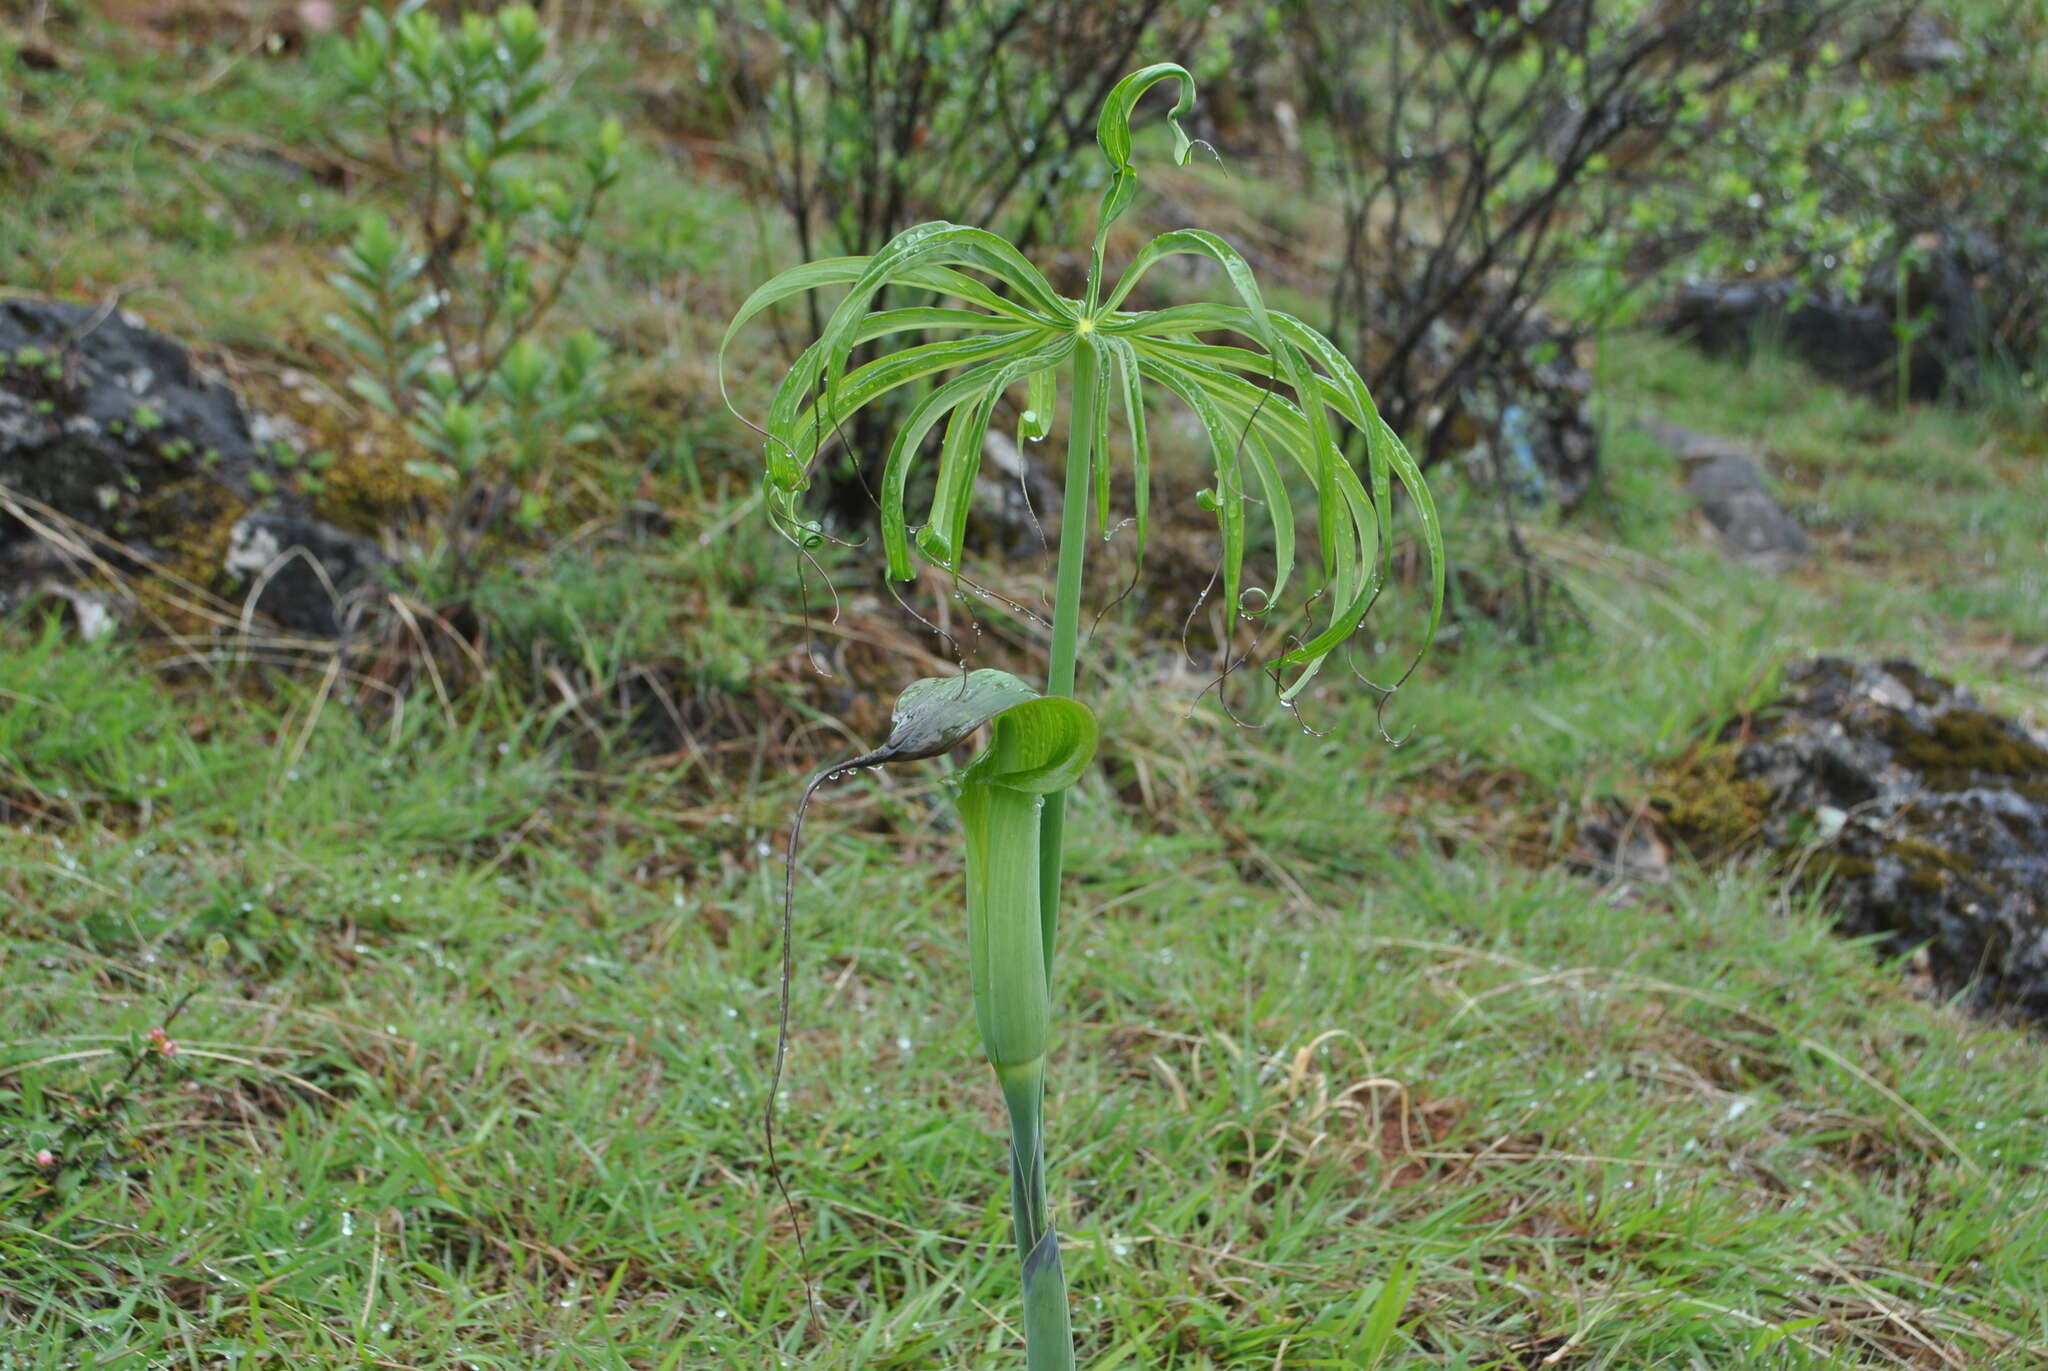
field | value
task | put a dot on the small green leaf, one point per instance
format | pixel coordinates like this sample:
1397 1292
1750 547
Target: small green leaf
937 714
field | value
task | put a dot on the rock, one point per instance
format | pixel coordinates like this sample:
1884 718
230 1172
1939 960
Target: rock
114 427
93 614
1846 341
1728 482
302 573
1527 419
111 424
1960 292
1927 812
1621 848
1924 41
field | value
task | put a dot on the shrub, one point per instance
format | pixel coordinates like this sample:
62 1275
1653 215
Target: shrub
1478 152
873 115
441 317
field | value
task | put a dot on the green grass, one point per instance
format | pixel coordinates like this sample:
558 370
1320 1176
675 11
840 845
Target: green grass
1352 1072
487 1056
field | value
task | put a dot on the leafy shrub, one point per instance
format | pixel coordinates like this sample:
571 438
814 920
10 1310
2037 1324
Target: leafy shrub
872 115
1908 151
441 316
1479 153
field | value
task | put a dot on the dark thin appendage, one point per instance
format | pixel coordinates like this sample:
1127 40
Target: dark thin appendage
1187 625
953 644
1137 568
1272 674
1024 489
1386 697
1005 601
863 762
803 593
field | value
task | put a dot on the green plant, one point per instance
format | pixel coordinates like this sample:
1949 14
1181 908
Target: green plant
1260 406
64 1143
1458 138
441 318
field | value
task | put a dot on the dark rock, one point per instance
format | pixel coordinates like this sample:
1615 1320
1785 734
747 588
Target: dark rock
1621 847
91 614
1959 296
1845 341
1728 482
1527 419
1931 819
1924 41
302 573
110 424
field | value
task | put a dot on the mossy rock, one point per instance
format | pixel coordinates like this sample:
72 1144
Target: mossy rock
112 425
1926 812
1962 748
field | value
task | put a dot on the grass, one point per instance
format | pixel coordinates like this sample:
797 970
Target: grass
479 1086
1353 1072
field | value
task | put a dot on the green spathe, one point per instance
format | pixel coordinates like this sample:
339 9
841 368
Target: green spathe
1038 746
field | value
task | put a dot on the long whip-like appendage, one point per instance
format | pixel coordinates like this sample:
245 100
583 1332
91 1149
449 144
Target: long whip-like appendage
796 827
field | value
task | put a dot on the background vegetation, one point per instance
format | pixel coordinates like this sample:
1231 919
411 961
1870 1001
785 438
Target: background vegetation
460 929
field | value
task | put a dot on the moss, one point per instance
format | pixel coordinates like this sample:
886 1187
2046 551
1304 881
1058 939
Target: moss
1926 881
1963 748
358 453
367 489
1928 690
1923 855
1708 807
1844 866
192 520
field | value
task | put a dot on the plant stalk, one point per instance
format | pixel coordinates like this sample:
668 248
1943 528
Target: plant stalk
1048 1334
1066 621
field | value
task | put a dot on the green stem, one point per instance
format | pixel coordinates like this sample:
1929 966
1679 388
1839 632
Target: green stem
1048 1336
1066 622
1066 607
1024 1094
1048 1333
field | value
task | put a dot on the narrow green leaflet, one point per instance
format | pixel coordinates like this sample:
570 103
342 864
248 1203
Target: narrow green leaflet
1113 136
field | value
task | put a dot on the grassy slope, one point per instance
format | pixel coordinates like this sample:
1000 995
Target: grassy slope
477 1082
